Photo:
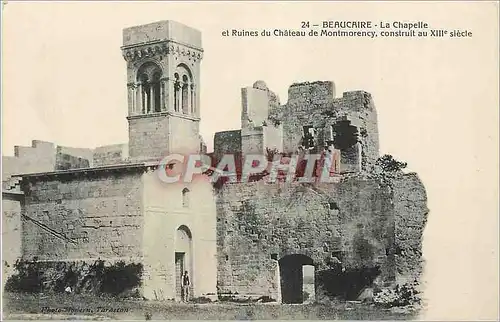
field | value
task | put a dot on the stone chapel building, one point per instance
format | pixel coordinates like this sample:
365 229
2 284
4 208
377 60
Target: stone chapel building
63 204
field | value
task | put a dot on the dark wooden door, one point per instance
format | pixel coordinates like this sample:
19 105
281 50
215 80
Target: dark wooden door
179 268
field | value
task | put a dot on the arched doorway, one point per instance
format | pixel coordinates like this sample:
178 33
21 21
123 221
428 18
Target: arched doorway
183 258
296 278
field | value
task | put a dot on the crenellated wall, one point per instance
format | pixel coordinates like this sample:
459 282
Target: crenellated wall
311 93
347 124
40 157
46 157
73 158
337 122
110 154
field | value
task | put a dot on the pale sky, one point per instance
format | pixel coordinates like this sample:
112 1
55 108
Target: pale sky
64 80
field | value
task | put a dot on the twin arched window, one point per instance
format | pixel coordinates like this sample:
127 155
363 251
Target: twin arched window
150 88
149 93
184 91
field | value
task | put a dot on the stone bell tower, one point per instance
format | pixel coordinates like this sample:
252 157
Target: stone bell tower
163 81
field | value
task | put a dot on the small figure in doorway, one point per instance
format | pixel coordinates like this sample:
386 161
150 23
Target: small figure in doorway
186 283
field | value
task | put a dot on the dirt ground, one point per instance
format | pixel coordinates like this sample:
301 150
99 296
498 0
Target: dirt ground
85 307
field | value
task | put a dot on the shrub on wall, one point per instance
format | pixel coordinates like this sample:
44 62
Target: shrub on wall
117 279
389 164
29 278
400 295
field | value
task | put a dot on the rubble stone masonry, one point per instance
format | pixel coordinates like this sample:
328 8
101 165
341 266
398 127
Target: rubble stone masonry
260 223
410 206
315 105
69 217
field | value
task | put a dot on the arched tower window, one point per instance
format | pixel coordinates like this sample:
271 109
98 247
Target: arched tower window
177 86
193 100
144 91
185 86
184 95
157 92
185 197
148 78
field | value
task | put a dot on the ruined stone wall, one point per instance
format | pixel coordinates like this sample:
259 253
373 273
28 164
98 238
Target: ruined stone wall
314 105
227 142
81 154
255 106
256 140
258 223
359 108
347 124
273 136
306 105
410 204
252 140
67 159
66 162
367 225
203 145
40 157
45 157
78 216
10 166
11 233
256 101
258 132
110 154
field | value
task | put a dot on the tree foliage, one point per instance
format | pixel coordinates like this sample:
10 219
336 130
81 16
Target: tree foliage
389 164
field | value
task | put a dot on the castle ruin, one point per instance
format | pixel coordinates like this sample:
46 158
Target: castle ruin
253 239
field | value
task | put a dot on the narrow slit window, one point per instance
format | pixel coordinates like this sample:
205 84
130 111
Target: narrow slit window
185 197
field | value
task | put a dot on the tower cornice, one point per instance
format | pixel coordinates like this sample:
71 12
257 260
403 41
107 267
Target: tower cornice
164 113
149 49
